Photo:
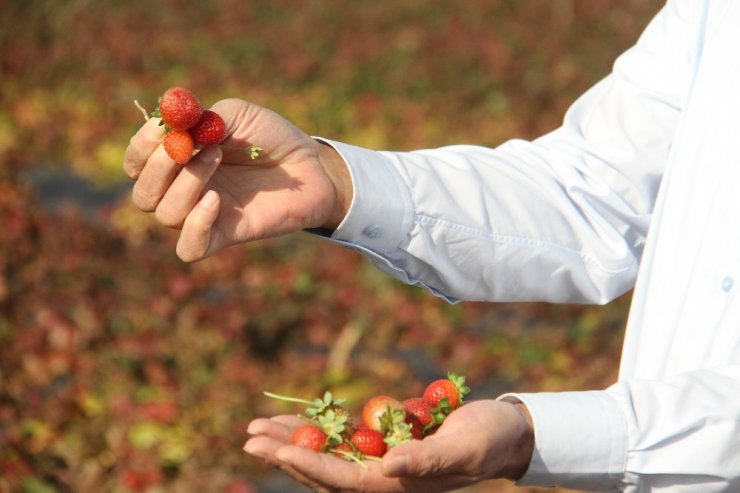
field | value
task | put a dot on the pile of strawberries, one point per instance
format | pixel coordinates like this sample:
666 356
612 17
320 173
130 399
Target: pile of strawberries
386 421
188 125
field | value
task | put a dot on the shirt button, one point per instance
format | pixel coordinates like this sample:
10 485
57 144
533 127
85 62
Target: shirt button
372 231
727 284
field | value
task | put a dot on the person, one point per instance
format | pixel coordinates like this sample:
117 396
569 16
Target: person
636 189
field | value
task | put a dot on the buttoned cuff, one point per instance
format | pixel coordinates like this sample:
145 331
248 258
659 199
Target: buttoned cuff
580 440
381 212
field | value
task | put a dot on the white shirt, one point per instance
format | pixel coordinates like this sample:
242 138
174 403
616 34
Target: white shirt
640 187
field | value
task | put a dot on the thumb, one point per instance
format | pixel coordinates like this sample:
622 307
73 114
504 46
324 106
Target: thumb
418 458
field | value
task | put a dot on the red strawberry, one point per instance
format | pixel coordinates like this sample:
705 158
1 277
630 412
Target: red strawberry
179 108
427 415
369 442
375 407
416 428
309 436
344 449
179 145
210 128
421 408
452 388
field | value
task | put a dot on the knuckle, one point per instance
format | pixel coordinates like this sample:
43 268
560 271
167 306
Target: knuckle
168 216
131 168
143 199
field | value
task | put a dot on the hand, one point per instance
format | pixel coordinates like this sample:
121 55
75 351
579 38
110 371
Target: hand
480 440
223 197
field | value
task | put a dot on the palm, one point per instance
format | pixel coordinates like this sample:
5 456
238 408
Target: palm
259 202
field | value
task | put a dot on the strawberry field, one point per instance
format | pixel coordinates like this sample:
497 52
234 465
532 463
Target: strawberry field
123 369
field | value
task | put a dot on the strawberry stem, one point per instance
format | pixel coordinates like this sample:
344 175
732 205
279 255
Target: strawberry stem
287 398
350 456
143 111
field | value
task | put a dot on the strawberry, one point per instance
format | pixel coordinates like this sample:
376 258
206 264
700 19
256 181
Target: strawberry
179 145
179 108
343 450
310 436
452 388
375 407
209 129
421 408
415 427
369 442
427 415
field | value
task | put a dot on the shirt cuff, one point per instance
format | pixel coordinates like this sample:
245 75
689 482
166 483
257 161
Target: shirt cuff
580 440
381 213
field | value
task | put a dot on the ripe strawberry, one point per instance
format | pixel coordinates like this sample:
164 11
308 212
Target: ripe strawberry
179 145
374 409
309 436
369 442
179 108
421 408
452 388
209 129
415 427
342 450
427 415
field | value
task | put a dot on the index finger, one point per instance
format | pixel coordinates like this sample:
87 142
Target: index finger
141 146
326 469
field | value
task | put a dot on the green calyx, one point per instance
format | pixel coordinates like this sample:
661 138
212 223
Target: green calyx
334 425
394 427
459 382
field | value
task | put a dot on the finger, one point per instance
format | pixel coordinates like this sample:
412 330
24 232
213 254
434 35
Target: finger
437 463
154 179
195 238
326 469
265 448
141 146
428 457
270 435
277 427
187 187
290 420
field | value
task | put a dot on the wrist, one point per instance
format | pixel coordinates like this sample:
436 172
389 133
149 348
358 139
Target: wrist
338 174
521 456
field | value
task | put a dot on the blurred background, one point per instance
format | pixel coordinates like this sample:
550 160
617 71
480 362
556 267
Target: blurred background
123 369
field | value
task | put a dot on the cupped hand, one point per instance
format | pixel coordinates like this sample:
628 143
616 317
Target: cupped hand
481 440
224 196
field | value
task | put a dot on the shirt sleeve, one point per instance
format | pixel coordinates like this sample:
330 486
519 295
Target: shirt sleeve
562 218
640 435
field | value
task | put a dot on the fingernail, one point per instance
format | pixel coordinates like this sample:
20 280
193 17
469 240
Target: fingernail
396 466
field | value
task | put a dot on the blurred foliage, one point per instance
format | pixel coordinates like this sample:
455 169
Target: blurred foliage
122 369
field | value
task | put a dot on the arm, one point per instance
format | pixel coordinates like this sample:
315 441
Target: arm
561 218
